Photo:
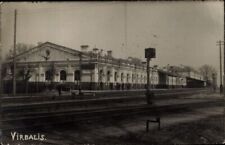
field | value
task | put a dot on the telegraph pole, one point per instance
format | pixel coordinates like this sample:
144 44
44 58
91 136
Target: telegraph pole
80 63
221 82
125 23
224 72
14 54
224 64
148 75
1 90
1 125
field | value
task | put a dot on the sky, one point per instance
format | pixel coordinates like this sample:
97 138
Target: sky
181 32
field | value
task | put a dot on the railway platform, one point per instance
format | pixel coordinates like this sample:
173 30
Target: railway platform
38 113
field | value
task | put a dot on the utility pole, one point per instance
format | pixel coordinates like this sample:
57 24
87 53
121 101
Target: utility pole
1 87
91 71
221 83
224 65
14 54
148 75
80 63
224 49
1 90
125 24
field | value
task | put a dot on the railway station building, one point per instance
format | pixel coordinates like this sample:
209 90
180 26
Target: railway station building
49 64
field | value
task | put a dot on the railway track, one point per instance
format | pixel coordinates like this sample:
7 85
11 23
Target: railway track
91 114
160 93
22 115
31 108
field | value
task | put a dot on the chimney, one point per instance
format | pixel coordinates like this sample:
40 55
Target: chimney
84 48
109 53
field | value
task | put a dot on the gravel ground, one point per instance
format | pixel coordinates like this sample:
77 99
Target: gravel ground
200 126
206 131
203 126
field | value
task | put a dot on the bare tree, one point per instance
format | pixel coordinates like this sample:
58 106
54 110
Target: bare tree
20 48
25 74
207 71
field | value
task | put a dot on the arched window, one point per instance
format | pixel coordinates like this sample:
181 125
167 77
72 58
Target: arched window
108 76
77 75
128 77
63 75
133 77
115 76
48 75
100 75
121 77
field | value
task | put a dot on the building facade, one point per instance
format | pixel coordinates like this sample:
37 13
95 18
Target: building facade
52 64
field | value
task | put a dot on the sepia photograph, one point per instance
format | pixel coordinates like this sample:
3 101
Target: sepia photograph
112 73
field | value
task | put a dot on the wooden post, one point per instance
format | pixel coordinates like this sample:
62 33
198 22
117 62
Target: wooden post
80 63
148 87
1 87
14 59
149 53
221 84
153 121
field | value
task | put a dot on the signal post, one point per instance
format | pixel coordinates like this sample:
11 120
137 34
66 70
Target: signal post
149 54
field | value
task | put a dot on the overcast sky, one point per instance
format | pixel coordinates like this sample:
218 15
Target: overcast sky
182 32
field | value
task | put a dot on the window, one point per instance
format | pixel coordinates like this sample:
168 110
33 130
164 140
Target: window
48 75
115 76
108 76
100 75
63 75
121 77
133 76
77 75
128 77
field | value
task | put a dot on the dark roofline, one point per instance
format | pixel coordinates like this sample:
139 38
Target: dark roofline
28 50
46 43
74 50
70 49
